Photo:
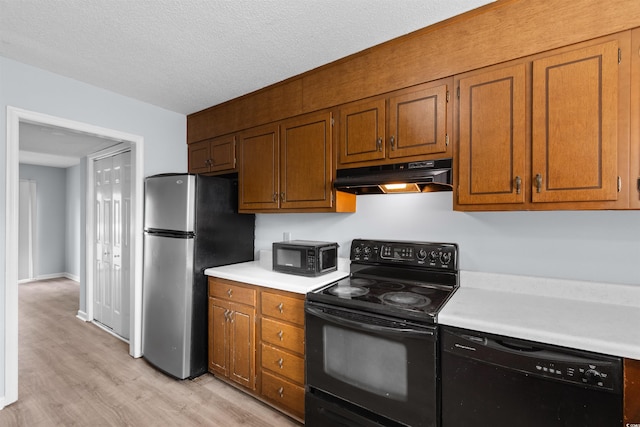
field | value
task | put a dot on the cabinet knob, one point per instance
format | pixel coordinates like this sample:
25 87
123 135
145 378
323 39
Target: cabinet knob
281 391
281 307
280 334
229 292
274 198
538 182
518 184
280 363
282 196
379 144
392 141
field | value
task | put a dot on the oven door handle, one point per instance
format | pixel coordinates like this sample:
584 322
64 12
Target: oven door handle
408 331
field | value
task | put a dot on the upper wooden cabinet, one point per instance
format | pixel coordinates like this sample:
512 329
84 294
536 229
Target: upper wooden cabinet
634 157
573 152
214 155
288 165
405 125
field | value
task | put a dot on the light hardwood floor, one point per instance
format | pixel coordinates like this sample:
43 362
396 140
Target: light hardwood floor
72 373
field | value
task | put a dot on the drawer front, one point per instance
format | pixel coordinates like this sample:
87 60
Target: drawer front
231 292
283 335
289 309
284 393
283 363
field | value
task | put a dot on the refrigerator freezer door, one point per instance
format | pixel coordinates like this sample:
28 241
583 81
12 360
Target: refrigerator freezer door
167 303
170 202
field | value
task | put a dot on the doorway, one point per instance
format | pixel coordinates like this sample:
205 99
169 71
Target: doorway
16 116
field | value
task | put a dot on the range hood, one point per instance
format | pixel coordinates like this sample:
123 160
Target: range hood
413 177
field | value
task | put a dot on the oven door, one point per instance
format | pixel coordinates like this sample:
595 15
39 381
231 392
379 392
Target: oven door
382 368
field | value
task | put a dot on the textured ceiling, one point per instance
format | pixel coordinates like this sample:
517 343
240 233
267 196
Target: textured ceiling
187 55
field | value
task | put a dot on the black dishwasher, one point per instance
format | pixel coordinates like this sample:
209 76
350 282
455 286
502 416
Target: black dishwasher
489 380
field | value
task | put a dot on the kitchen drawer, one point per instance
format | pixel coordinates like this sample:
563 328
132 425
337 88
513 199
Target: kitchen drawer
228 290
283 335
289 309
284 393
283 363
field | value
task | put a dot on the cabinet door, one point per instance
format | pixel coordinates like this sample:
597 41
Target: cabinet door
223 153
634 155
574 125
258 172
218 337
242 345
305 162
492 136
418 123
199 157
362 132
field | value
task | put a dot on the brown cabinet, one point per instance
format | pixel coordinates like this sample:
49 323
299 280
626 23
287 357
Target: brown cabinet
405 125
282 350
573 151
634 157
631 392
214 155
288 166
232 337
268 362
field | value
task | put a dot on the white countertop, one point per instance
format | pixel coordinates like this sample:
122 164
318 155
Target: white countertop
260 273
599 317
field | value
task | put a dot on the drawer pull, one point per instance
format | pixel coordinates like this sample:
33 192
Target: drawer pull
280 307
280 362
281 391
280 334
229 292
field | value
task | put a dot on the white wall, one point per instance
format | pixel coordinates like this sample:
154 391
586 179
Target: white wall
33 89
72 222
601 246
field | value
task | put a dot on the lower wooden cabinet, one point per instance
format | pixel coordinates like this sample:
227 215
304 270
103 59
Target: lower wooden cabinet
256 340
232 333
631 392
282 350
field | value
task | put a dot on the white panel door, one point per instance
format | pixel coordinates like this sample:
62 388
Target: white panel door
112 268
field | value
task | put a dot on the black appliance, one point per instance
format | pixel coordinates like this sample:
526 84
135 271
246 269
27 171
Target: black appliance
490 380
305 257
372 340
421 176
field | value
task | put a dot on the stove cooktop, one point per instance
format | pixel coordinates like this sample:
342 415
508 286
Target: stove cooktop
401 279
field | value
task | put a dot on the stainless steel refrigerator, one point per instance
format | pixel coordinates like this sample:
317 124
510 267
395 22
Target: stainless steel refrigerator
190 223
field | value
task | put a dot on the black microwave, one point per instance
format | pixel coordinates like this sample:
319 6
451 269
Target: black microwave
305 257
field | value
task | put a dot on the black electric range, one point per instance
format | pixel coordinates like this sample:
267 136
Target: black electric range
410 280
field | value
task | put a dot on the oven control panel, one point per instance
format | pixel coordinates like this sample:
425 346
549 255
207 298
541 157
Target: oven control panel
427 254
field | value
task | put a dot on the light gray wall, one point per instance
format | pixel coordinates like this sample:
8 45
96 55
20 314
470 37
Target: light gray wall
72 225
601 246
51 207
33 89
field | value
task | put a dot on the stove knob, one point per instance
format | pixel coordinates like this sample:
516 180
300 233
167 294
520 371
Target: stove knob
445 257
591 376
422 254
433 256
357 250
367 250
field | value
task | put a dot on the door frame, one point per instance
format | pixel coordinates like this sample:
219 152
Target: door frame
14 117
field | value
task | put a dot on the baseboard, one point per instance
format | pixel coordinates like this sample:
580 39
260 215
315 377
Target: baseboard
82 316
53 276
72 277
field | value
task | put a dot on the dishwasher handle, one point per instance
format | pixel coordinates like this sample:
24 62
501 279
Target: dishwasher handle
582 368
